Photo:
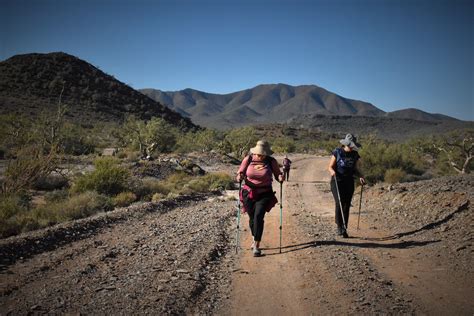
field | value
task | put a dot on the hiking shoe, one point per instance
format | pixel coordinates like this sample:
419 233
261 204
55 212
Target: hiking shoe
344 234
257 252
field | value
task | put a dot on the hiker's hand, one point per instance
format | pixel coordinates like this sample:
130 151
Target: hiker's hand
240 177
332 172
281 178
362 180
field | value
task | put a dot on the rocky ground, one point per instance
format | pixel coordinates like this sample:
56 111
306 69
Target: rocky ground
152 258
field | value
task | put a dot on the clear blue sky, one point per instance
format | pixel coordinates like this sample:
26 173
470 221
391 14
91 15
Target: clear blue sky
394 54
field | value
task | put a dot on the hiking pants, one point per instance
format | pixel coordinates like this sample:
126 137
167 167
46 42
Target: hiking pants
286 174
346 190
256 211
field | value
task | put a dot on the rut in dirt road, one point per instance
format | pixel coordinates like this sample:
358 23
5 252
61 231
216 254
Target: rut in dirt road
317 273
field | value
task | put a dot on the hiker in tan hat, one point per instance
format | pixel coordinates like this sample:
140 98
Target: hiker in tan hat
343 166
257 196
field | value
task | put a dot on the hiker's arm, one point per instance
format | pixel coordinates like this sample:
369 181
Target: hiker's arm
332 166
276 171
358 173
240 173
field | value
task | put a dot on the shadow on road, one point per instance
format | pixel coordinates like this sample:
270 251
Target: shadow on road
319 243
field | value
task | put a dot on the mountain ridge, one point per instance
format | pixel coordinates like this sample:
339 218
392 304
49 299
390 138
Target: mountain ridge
274 103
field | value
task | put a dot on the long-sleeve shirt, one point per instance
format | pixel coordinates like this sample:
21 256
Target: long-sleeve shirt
258 173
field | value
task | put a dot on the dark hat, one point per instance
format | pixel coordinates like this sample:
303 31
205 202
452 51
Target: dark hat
351 141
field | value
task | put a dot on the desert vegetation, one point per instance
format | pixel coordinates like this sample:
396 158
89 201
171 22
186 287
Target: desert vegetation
41 186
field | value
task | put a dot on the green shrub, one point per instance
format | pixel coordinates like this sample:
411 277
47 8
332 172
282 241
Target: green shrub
56 196
211 182
11 205
124 199
15 218
108 178
78 206
394 175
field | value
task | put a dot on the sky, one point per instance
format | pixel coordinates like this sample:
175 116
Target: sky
395 54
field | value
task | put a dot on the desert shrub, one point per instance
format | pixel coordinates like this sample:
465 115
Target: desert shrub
241 140
108 178
394 175
155 186
30 165
211 182
379 156
11 205
157 197
124 199
50 182
56 196
15 218
77 206
203 141
283 145
121 155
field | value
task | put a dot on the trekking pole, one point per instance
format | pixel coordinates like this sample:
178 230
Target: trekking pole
281 209
237 239
360 205
340 203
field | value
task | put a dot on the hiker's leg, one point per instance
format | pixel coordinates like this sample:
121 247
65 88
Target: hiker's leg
338 216
347 190
260 207
251 214
250 207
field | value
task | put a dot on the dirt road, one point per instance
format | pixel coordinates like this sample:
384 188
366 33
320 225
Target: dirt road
317 273
178 257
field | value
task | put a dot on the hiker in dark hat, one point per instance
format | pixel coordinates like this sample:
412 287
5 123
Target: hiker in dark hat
343 166
286 168
257 196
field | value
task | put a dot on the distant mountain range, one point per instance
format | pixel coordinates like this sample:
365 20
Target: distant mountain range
273 103
33 83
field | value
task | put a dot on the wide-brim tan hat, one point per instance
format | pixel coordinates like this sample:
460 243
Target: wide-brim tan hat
262 148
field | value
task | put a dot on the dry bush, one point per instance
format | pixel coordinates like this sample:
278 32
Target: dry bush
124 199
394 175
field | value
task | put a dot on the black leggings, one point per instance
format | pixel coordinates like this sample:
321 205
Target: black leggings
346 190
286 174
256 210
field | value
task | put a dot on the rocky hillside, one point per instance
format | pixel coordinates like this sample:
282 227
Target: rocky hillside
389 128
274 103
32 83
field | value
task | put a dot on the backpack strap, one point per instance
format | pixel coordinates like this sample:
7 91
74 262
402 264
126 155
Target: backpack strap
268 162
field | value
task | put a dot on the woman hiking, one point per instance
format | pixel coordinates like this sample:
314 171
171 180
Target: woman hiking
343 166
286 168
257 171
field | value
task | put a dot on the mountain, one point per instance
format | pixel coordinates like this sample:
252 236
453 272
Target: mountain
34 83
273 103
419 115
386 127
261 104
